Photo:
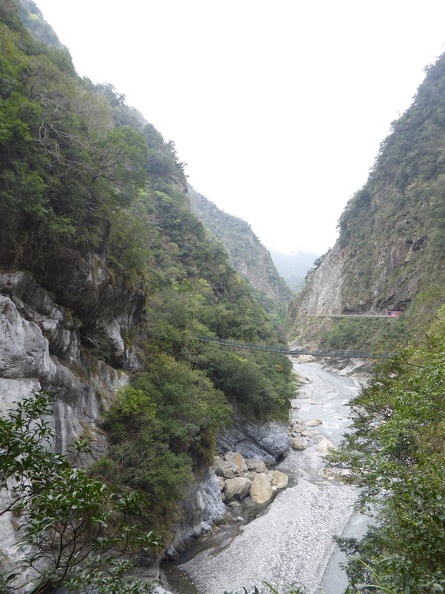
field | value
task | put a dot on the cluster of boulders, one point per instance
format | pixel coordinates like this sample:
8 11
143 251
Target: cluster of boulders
242 478
303 434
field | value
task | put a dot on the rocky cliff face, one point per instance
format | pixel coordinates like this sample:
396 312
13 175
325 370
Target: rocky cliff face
389 255
40 351
323 293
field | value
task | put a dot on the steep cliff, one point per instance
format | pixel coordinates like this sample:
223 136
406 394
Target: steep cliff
390 251
107 279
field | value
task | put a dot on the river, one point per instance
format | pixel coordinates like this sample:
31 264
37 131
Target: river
292 543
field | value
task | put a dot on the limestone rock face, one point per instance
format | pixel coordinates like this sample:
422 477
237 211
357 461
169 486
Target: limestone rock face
23 351
203 508
272 437
261 488
323 293
266 442
40 351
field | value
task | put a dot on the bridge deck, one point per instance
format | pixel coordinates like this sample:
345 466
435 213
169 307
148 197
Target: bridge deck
351 316
284 349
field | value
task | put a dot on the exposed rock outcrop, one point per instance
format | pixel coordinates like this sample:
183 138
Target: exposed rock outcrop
203 509
324 285
40 351
267 442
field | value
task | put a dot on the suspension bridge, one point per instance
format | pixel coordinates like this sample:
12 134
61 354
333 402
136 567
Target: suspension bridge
295 351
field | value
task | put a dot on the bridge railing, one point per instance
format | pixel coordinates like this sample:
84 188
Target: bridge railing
286 350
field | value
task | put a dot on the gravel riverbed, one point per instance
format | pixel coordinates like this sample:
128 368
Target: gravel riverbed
292 542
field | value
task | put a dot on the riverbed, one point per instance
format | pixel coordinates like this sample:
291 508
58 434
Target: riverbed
292 543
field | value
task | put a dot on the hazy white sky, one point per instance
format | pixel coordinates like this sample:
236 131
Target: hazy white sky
277 107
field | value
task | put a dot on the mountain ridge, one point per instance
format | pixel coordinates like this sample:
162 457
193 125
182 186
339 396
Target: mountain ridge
246 252
390 250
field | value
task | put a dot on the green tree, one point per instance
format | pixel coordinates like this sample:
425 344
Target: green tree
396 454
161 428
72 528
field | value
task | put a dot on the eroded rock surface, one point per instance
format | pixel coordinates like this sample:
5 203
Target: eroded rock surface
267 442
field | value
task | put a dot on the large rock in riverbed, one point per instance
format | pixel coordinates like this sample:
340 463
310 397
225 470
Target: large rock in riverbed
324 446
256 465
279 479
261 488
247 477
236 460
298 443
314 423
223 468
236 488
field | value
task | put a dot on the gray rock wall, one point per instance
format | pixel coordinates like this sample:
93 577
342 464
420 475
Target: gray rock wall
267 442
323 294
40 351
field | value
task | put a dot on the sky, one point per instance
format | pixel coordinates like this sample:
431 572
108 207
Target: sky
278 108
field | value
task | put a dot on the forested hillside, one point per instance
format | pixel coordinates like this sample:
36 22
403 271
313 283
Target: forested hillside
389 259
103 261
33 20
247 254
390 251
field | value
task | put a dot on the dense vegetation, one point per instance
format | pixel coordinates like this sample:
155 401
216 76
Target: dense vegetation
247 255
391 233
403 199
396 453
90 189
74 529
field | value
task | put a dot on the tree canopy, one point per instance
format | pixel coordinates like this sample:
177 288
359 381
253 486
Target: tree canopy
395 452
